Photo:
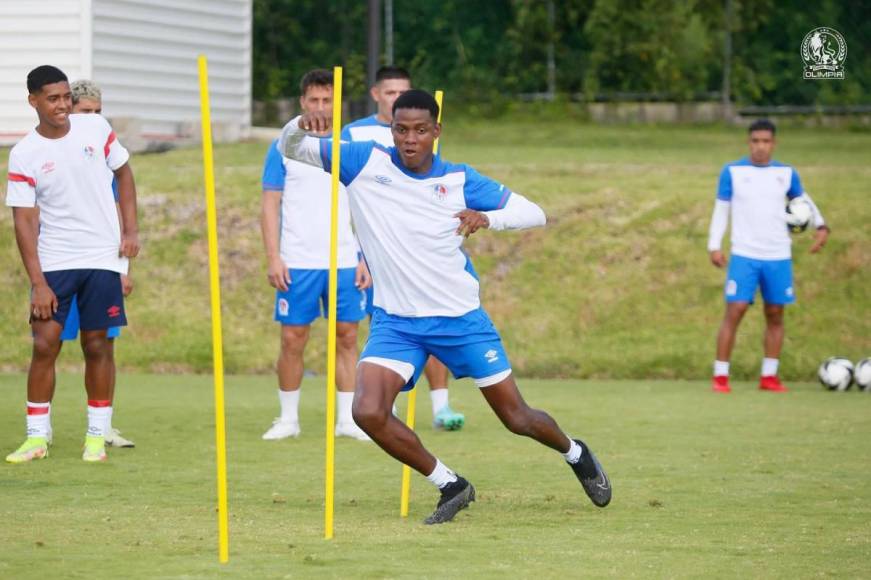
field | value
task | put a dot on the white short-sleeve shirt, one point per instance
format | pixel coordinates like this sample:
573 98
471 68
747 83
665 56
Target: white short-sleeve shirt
70 180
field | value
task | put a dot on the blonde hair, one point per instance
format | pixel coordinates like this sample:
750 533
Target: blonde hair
85 89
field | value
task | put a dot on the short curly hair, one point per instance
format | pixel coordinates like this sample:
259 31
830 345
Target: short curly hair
85 89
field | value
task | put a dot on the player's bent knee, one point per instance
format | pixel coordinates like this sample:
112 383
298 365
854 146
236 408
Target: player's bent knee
368 415
519 422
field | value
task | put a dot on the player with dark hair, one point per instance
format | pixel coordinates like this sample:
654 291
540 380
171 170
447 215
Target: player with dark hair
72 244
295 223
412 210
752 191
390 83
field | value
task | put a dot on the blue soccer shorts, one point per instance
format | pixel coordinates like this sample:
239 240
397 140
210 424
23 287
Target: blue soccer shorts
773 277
97 293
71 326
468 345
307 297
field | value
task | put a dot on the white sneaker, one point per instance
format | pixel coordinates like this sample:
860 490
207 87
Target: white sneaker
351 430
114 439
281 430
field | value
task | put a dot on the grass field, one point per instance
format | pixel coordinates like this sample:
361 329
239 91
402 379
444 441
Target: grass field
617 286
747 485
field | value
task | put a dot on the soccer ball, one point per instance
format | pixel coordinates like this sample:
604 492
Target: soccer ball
836 373
798 215
862 374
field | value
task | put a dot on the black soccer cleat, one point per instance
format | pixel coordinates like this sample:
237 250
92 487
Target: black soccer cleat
455 496
592 477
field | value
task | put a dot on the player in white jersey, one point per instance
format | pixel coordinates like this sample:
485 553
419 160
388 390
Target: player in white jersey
295 223
754 190
412 211
390 83
72 243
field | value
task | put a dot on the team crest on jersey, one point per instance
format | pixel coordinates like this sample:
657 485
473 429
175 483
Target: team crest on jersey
90 152
283 307
439 192
47 167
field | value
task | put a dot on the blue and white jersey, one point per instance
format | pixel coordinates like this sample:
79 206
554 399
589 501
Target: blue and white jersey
368 129
305 213
407 230
757 195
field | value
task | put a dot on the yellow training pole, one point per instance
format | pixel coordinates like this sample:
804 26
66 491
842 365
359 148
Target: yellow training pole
412 394
333 296
215 287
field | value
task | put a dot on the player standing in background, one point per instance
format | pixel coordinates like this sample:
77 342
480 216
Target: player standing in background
71 244
412 211
295 223
87 99
753 190
390 83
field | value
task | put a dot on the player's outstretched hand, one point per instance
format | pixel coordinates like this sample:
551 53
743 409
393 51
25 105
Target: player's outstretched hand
43 302
278 275
471 221
362 279
821 236
718 259
317 123
126 285
130 245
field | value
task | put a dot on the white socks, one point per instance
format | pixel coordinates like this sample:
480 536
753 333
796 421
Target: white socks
98 416
345 402
769 367
38 419
439 399
441 475
573 455
109 420
289 401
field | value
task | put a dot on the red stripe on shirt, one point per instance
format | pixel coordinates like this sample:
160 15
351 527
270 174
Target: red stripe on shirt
109 141
22 178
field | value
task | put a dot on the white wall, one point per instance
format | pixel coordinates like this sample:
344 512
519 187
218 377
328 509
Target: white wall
144 55
33 33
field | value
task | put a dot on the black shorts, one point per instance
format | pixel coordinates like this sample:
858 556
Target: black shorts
98 293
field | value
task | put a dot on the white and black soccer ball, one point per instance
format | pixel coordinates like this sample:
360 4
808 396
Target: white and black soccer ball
798 215
836 373
862 375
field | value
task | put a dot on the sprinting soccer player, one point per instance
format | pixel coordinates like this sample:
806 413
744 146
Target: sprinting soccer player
295 223
72 244
87 98
390 83
753 191
412 211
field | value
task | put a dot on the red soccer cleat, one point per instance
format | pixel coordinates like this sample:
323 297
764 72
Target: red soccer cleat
720 384
771 383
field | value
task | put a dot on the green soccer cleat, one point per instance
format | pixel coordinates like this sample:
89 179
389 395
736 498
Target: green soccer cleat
32 448
448 419
95 449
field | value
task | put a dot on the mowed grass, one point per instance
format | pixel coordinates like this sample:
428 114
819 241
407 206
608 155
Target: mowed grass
746 485
618 285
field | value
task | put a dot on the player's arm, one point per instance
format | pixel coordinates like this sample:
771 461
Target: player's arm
276 270
43 302
720 218
821 235
293 143
127 204
492 205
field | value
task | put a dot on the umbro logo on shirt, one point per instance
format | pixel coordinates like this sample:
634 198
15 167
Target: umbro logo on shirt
383 179
47 167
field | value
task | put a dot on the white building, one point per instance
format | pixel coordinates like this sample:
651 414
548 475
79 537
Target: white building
142 54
